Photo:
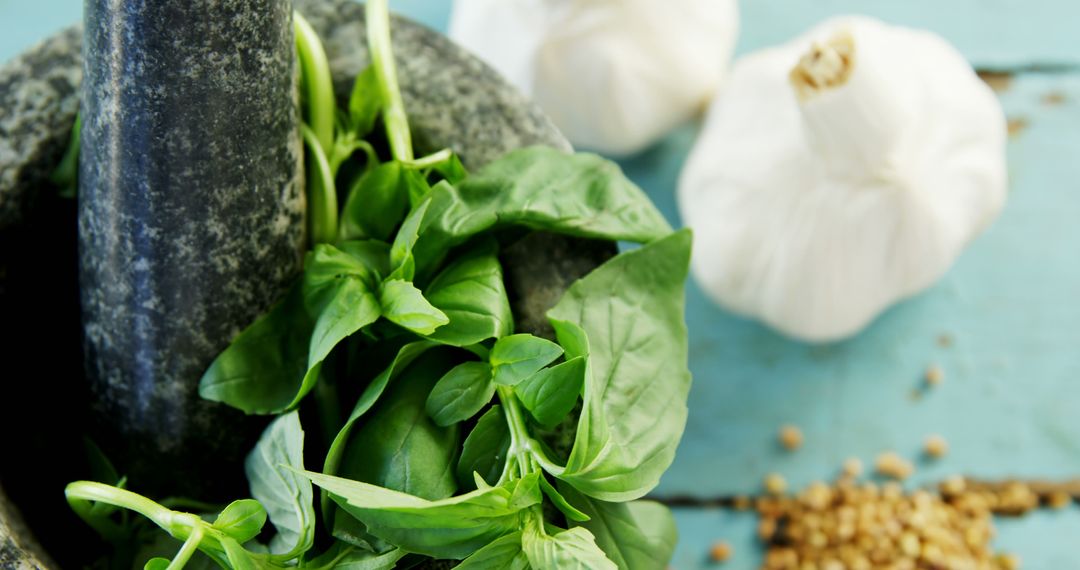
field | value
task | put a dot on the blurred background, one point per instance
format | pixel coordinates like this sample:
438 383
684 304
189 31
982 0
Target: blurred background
1003 325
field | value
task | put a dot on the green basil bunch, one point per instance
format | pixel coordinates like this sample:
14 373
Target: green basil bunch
402 305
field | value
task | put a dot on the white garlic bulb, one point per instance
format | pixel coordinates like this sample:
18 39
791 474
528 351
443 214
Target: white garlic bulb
840 173
613 75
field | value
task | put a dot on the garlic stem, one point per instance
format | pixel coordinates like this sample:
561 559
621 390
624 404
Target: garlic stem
850 108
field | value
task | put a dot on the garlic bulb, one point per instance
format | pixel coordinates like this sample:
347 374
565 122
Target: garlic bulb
613 75
840 173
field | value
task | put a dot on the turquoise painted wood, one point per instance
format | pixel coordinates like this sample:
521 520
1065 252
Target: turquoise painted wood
1010 403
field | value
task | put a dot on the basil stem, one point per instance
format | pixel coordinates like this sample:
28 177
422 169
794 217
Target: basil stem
382 58
317 84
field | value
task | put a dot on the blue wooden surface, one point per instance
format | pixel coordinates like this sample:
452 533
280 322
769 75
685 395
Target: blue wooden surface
1010 403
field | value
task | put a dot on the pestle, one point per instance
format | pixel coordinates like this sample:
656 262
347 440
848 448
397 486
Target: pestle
190 222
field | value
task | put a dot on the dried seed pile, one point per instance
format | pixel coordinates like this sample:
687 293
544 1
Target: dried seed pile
851 526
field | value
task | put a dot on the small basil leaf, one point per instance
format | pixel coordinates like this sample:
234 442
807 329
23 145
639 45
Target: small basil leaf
452 528
484 452
263 370
404 305
242 519
351 308
573 549
527 492
472 294
157 563
504 553
365 102
326 264
519 356
460 393
560 502
551 393
627 315
637 534
402 263
286 494
378 201
357 559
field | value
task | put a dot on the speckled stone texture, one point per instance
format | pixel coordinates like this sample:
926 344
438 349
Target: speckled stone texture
38 102
190 220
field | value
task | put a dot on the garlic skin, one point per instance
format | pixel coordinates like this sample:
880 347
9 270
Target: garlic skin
614 75
840 173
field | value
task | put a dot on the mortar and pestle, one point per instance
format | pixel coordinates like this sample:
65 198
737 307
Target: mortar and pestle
189 223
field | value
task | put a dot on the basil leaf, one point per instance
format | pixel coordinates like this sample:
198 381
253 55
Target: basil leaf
350 307
572 513
374 390
157 563
460 393
551 393
404 305
356 559
628 316
519 356
573 549
286 494
325 265
378 201
402 261
242 520
504 553
544 189
472 294
263 370
450 528
638 534
239 559
485 450
365 102
399 447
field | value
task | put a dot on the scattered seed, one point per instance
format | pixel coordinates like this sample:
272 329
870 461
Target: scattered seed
775 484
934 375
791 437
890 464
852 468
1058 500
953 486
945 340
1017 125
720 552
1053 99
936 446
1007 561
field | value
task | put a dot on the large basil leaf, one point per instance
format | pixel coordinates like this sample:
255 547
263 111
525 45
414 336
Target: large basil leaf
639 535
504 553
485 449
285 493
573 549
356 559
450 528
551 393
399 446
627 316
472 294
541 188
262 371
460 393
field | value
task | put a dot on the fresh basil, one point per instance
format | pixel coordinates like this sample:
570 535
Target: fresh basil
629 312
504 553
638 534
551 393
484 451
404 305
471 293
540 188
573 549
460 393
242 520
519 356
286 495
